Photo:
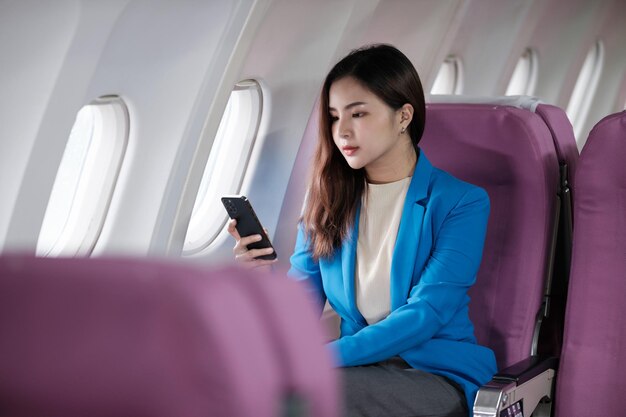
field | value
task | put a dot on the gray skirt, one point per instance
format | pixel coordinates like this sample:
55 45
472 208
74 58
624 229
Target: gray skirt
393 389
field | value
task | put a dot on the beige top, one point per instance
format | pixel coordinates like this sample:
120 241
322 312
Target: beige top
378 227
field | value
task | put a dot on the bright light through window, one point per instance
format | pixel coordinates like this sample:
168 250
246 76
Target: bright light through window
85 179
584 90
524 78
226 165
449 78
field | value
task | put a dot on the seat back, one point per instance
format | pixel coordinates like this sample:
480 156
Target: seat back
551 336
554 117
562 135
110 337
592 365
509 152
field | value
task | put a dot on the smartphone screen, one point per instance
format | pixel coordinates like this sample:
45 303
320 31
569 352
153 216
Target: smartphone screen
239 208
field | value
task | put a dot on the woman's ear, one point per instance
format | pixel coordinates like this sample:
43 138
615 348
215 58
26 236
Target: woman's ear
406 115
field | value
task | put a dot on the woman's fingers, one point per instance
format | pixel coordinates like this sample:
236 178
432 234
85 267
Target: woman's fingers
264 263
250 255
245 241
242 244
258 263
233 230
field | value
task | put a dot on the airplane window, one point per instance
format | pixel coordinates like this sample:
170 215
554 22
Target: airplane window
524 76
585 89
226 165
449 78
85 179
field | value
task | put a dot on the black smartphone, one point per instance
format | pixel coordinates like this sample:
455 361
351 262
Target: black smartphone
239 208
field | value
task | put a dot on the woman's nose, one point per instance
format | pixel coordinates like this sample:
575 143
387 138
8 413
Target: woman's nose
343 129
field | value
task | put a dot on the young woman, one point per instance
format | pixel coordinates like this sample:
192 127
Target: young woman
392 243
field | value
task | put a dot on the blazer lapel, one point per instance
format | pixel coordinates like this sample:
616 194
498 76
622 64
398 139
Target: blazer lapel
348 261
409 232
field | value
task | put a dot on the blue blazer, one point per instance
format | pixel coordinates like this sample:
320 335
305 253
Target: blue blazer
435 260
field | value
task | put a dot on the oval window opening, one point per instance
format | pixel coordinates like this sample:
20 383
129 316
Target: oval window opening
449 78
524 78
85 180
226 165
585 89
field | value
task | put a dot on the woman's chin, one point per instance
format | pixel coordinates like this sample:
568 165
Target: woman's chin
354 164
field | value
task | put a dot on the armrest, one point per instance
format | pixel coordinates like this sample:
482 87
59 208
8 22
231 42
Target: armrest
527 369
521 386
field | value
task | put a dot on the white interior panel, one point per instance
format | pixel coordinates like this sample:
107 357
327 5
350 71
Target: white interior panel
422 29
609 97
30 68
487 44
53 50
564 34
170 58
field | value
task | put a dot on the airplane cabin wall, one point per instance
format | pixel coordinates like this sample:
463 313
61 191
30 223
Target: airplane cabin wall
159 57
562 39
422 30
175 64
182 60
610 96
491 32
36 113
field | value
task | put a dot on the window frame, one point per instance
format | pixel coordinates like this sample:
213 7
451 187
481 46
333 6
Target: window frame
523 81
200 240
93 191
585 89
449 84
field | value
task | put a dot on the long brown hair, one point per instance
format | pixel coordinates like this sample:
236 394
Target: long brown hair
335 189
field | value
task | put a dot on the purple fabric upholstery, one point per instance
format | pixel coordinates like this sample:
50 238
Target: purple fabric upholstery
509 152
554 117
124 337
551 338
562 134
591 374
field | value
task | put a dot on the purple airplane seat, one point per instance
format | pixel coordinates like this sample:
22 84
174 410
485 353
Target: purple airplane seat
593 363
550 338
555 118
113 337
509 152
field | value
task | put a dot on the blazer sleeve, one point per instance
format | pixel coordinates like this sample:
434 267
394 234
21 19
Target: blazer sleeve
307 270
440 292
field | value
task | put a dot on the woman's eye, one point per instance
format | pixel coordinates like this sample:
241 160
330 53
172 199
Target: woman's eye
360 114
333 119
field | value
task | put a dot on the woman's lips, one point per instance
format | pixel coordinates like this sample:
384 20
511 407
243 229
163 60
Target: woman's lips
349 150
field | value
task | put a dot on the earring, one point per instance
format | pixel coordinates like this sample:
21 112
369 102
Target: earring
403 130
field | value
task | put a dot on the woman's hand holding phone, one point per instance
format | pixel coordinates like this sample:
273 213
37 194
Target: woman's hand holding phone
249 257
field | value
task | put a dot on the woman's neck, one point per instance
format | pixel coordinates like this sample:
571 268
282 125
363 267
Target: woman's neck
397 165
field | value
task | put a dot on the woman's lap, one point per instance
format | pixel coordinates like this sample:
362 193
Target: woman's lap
392 389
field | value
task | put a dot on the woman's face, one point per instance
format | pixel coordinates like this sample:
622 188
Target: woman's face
366 130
